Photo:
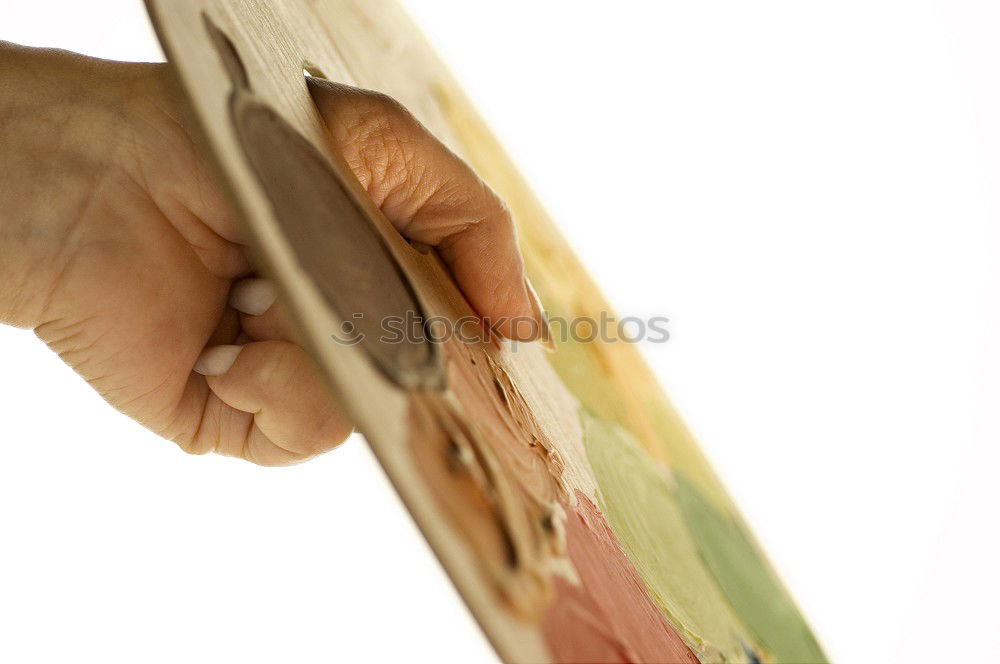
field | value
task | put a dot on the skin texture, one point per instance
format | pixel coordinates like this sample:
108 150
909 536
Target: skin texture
118 247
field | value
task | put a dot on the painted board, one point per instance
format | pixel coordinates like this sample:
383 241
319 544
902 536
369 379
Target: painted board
560 490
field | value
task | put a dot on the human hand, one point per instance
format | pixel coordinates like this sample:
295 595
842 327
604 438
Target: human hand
122 253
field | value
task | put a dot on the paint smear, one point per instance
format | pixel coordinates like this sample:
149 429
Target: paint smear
610 379
548 551
747 581
643 514
609 617
614 383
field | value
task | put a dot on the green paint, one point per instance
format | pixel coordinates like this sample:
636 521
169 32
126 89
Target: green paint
747 581
645 517
687 543
583 368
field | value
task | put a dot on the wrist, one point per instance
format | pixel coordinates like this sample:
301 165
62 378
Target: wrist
57 120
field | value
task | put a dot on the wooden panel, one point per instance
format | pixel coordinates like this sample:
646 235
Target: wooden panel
512 466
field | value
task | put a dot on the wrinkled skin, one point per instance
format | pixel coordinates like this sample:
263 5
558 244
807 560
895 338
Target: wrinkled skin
118 247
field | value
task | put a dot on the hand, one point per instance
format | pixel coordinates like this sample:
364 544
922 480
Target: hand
121 252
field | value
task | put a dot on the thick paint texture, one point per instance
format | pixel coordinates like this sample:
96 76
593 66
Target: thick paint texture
747 581
644 515
548 551
608 616
611 380
639 444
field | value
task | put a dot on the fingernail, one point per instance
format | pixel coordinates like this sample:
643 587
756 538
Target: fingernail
545 330
216 360
253 296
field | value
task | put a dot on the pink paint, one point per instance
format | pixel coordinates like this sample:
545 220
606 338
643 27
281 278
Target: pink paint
609 617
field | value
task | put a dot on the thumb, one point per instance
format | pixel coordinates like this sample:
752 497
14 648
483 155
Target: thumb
431 196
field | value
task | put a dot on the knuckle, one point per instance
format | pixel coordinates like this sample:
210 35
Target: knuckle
381 142
500 210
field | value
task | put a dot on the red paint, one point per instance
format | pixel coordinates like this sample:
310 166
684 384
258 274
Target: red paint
609 617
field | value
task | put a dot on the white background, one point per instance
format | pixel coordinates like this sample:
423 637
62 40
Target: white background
808 190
